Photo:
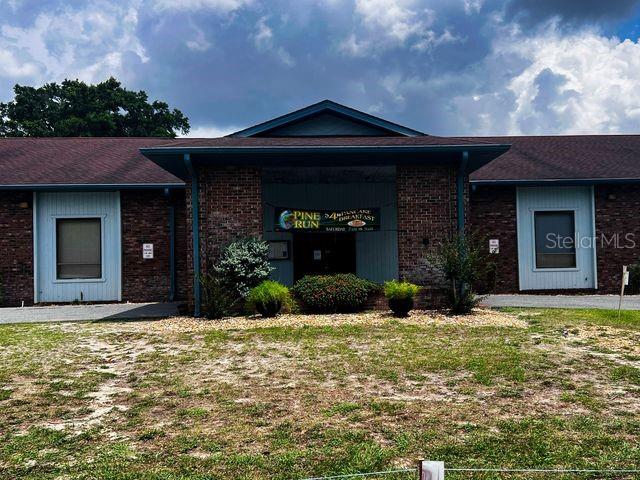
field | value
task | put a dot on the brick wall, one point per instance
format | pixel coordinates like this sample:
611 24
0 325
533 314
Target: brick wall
16 247
493 215
617 215
427 214
145 219
230 208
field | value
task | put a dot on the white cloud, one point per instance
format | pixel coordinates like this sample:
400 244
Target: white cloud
264 41
210 131
472 6
199 42
398 19
583 83
551 83
221 6
263 37
90 44
353 47
430 40
13 68
393 24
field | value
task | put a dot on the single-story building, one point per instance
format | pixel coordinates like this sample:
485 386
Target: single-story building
332 189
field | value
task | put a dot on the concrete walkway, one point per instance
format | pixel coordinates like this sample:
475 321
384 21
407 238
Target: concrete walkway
71 313
630 302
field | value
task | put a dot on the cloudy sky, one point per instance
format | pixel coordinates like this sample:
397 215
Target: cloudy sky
446 67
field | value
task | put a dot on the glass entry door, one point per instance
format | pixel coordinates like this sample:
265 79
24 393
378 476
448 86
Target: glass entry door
323 253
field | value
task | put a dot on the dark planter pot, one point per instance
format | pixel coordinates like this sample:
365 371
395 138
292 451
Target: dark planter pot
401 306
269 309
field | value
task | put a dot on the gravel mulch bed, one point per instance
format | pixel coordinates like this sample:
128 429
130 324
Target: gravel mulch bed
479 318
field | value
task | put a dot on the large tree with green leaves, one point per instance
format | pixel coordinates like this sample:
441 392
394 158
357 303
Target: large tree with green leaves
75 109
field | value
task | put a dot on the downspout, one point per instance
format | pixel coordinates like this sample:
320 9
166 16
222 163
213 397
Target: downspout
460 191
195 215
462 170
172 246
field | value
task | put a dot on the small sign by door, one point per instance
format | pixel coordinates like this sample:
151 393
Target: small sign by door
147 250
317 254
494 245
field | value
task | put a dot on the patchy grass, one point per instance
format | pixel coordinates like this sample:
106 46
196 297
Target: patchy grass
193 400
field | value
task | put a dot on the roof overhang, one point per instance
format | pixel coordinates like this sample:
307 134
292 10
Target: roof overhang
172 158
91 186
555 182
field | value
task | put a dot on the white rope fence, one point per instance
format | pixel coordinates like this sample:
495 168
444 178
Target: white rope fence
430 470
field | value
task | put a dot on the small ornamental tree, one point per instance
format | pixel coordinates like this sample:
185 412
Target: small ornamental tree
243 264
462 260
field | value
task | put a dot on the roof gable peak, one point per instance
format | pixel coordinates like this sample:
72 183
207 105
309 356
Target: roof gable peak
327 118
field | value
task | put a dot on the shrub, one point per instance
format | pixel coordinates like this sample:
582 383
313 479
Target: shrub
342 293
243 264
462 260
217 299
400 290
400 296
269 298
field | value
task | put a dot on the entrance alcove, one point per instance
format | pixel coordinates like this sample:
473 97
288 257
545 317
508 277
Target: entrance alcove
369 254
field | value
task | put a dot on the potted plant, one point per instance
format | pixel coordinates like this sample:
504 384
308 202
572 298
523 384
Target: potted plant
268 298
400 296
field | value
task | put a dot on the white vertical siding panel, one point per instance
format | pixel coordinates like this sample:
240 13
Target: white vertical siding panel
91 204
559 198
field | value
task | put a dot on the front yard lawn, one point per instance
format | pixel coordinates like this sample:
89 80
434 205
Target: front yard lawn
185 399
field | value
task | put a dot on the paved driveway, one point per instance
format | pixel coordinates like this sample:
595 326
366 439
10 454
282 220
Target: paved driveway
629 302
70 313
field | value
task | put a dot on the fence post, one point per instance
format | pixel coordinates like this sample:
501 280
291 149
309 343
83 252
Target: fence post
431 470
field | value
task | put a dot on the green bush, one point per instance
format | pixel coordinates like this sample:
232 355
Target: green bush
400 290
217 299
341 293
269 298
400 296
243 264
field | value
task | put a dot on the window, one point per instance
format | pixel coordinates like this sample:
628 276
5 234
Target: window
555 239
78 248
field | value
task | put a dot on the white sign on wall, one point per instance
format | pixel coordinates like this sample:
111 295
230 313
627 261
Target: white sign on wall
147 250
494 245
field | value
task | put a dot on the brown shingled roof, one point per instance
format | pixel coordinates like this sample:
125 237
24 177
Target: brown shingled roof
108 160
86 160
576 157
